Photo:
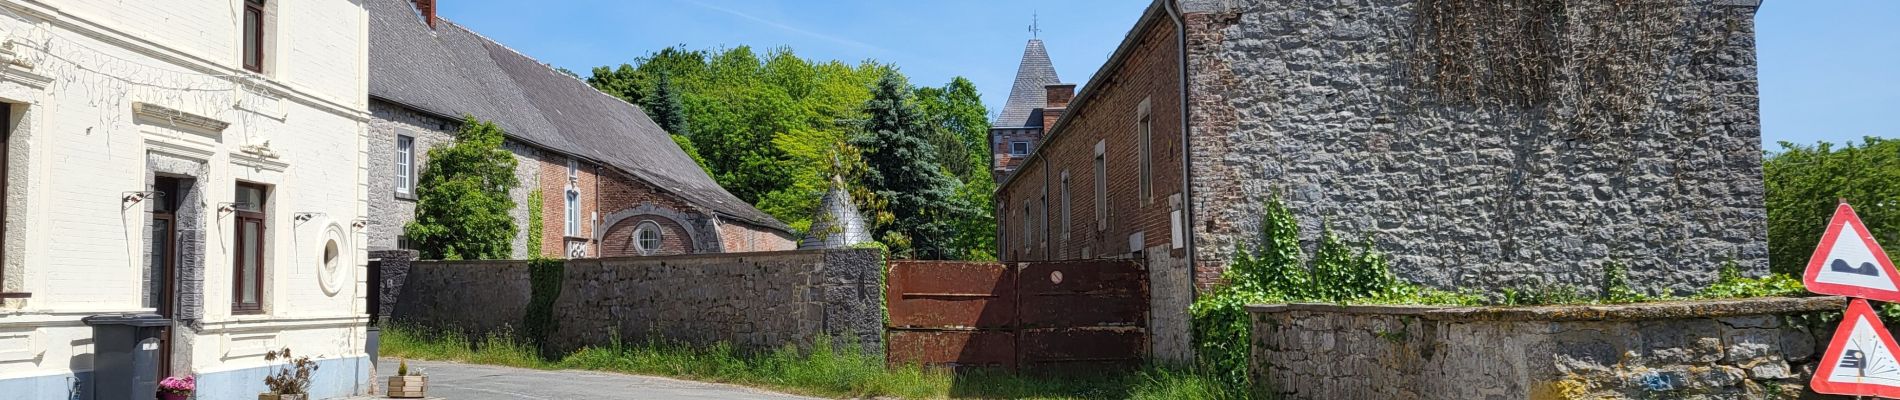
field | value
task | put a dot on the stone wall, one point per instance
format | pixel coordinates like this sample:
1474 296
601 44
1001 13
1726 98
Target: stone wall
1313 101
389 210
754 301
1752 348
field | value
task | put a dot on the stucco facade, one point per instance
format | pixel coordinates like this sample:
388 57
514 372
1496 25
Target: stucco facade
125 115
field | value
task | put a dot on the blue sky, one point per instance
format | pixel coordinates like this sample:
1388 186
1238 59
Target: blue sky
1830 69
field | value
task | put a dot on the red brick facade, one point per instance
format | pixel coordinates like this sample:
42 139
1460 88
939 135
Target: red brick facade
607 196
1143 85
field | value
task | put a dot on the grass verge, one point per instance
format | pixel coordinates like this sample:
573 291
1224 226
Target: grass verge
824 370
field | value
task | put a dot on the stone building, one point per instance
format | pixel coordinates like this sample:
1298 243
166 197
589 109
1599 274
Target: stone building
1471 169
200 160
612 183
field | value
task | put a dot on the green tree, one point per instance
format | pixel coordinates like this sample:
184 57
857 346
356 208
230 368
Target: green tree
1805 183
903 170
462 201
666 110
956 112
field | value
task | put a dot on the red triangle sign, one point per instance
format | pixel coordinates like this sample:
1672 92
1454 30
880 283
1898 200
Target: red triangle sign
1849 263
1861 360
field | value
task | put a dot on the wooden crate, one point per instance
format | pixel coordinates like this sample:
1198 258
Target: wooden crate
408 387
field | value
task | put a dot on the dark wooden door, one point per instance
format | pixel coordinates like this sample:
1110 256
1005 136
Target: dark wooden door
165 263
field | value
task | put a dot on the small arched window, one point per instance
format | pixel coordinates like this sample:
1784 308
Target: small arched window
647 238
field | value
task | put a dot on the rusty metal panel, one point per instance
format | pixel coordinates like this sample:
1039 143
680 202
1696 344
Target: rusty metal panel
953 295
1042 316
1081 348
952 349
1082 294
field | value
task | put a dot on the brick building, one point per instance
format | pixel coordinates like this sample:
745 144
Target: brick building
1313 102
1028 111
611 182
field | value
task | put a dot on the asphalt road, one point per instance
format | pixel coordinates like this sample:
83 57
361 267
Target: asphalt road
483 382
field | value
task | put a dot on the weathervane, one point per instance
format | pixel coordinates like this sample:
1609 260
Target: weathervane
1034 30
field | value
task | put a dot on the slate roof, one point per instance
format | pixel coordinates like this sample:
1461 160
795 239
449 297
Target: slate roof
453 71
837 223
1027 97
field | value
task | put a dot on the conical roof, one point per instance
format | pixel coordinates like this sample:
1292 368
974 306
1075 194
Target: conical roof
1028 95
837 225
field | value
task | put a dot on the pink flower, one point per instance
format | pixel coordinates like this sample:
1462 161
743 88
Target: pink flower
184 385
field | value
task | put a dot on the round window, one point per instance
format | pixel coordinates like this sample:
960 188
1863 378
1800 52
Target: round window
647 238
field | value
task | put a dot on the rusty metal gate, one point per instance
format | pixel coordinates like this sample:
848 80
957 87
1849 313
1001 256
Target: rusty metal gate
1045 315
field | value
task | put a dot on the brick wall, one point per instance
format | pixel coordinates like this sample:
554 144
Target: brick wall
755 301
741 237
1108 112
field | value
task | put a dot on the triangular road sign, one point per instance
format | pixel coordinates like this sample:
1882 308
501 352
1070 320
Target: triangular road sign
1849 263
1860 361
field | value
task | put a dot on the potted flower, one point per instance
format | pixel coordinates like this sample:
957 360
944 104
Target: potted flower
291 381
407 384
177 388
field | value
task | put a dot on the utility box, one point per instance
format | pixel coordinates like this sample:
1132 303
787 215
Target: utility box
125 355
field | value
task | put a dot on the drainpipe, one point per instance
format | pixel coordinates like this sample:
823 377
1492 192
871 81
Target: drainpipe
1187 164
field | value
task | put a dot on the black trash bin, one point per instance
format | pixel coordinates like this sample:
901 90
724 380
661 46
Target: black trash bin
125 355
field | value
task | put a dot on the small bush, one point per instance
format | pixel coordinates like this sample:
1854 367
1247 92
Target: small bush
1272 270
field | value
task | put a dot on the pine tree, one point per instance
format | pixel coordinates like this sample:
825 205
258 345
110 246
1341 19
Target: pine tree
462 201
903 170
669 112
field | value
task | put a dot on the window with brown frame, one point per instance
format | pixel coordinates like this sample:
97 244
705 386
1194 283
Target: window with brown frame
247 265
254 35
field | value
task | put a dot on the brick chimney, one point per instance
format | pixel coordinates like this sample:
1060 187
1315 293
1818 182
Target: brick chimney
1057 97
427 9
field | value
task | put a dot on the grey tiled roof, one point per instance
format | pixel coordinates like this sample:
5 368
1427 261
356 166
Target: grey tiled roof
837 223
454 71
1027 96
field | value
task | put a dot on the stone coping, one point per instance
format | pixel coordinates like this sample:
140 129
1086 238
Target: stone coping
736 255
1598 312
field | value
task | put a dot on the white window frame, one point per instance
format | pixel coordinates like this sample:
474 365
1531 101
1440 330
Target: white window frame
573 170
1145 153
1019 148
1066 207
659 238
405 164
1101 186
573 213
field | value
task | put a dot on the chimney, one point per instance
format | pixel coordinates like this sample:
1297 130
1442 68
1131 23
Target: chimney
427 9
1056 102
1059 94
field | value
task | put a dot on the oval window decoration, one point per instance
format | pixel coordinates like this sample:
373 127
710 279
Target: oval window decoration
331 269
647 238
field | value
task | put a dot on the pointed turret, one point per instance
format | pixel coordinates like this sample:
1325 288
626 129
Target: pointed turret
1035 102
1027 96
837 225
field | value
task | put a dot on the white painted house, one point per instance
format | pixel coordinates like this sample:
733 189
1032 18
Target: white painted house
200 159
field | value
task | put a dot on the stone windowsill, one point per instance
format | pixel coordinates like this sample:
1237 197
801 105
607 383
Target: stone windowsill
1633 311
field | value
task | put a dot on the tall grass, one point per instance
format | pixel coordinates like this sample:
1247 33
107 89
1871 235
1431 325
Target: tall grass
823 370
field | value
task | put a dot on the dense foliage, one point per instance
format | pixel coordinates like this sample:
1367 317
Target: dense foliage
1805 183
902 168
770 128
462 201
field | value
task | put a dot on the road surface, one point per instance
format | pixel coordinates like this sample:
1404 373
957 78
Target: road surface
483 382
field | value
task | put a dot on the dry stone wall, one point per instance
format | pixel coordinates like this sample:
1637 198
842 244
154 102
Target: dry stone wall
753 301
1754 348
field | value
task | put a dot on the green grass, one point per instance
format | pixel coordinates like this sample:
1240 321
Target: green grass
824 370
